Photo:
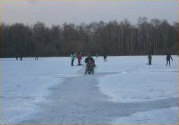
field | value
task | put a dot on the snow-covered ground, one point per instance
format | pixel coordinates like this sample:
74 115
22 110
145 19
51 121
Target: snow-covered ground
162 116
123 90
134 81
25 83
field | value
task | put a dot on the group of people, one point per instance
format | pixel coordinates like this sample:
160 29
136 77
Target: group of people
20 58
90 62
78 56
168 58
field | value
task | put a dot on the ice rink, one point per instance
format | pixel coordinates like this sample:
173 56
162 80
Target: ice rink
123 90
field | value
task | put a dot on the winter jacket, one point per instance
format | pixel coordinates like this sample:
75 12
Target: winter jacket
73 56
89 60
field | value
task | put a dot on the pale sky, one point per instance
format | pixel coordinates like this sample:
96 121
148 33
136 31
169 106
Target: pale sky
58 12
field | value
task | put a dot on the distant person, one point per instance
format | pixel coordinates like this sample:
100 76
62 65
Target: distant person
72 58
150 59
16 57
36 57
96 55
21 58
79 57
168 57
105 57
90 64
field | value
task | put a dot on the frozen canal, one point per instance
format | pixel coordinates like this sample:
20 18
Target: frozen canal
123 90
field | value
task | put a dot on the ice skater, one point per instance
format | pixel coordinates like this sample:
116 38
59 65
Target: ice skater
79 57
105 57
168 57
36 57
20 58
16 57
150 59
72 58
90 64
96 55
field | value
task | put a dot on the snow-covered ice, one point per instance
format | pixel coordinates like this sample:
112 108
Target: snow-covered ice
123 90
162 116
135 81
25 83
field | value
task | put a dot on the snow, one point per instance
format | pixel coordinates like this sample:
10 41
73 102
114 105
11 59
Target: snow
136 81
29 88
163 116
25 83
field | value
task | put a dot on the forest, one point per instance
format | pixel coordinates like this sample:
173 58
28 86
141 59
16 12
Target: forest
112 38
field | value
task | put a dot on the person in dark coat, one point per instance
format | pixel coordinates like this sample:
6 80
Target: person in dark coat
36 57
150 58
90 64
168 57
16 57
20 58
96 55
105 57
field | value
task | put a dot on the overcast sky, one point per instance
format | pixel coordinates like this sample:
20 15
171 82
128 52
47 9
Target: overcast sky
58 12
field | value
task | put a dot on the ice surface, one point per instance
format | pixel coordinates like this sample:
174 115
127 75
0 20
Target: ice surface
125 80
135 81
162 116
25 84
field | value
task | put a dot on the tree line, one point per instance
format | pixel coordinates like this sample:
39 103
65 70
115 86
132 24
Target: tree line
111 38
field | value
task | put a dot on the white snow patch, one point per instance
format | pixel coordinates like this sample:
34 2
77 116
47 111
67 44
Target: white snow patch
136 82
162 116
25 84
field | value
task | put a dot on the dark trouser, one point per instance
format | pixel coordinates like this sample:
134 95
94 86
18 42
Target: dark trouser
150 62
79 61
168 62
92 70
89 68
105 59
72 62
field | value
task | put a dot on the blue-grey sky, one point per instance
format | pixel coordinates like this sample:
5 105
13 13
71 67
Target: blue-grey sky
58 12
